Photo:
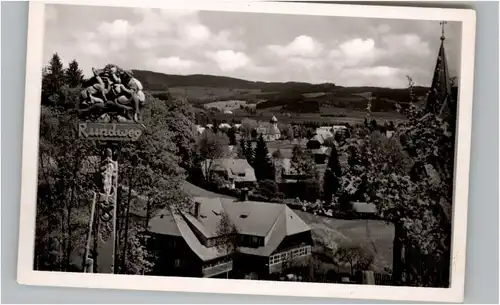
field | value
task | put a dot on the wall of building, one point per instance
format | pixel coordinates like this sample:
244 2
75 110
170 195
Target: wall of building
174 257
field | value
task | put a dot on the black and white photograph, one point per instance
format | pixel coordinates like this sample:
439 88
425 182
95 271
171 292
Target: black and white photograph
244 146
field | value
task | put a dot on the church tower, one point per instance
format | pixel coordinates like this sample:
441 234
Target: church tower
440 97
274 122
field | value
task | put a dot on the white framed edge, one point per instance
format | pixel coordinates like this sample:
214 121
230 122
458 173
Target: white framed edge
26 275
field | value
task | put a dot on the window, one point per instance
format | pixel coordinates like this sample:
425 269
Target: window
255 240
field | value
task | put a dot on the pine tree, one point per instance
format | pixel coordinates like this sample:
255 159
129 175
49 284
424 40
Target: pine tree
262 163
231 133
249 152
52 80
331 181
73 75
241 150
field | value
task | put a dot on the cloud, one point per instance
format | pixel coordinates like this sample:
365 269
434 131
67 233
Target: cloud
229 60
116 29
267 47
357 47
355 52
409 44
194 34
175 62
302 45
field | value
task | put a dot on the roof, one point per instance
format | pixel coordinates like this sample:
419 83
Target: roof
237 169
269 220
164 223
318 138
440 90
324 133
267 128
363 207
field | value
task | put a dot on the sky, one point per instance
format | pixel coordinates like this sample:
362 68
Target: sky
347 51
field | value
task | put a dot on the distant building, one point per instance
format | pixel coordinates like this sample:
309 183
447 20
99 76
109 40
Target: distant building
317 148
269 238
269 131
324 132
237 172
200 129
365 209
225 126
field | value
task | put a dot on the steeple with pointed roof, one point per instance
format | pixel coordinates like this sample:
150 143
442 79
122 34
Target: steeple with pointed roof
440 94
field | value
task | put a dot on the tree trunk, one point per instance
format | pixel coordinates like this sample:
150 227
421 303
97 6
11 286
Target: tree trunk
129 199
96 236
148 212
397 257
68 216
118 229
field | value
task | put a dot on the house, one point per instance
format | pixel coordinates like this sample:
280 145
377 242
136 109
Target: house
224 126
324 132
237 172
269 131
316 146
200 129
268 238
365 209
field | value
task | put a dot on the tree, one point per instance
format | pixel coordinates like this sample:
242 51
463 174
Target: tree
52 81
302 162
180 118
419 207
262 163
268 188
247 126
241 149
331 180
73 75
373 125
227 237
249 152
329 142
356 257
67 175
231 133
287 132
211 146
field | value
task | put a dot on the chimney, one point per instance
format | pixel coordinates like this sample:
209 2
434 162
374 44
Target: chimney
244 194
197 209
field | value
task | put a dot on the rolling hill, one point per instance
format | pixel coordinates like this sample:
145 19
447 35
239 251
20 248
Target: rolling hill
290 96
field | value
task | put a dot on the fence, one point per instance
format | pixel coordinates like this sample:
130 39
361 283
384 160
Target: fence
383 279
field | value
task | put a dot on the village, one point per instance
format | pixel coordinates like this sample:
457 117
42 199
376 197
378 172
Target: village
299 182
289 203
267 185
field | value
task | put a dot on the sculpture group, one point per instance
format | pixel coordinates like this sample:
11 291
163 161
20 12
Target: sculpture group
114 92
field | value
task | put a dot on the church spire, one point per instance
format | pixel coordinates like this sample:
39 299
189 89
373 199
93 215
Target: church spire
440 91
442 23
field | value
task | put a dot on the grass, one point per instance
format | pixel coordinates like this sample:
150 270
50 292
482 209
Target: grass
374 235
212 93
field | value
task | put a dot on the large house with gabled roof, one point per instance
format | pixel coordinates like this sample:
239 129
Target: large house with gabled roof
270 238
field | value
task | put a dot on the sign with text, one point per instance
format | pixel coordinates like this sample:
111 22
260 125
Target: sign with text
110 131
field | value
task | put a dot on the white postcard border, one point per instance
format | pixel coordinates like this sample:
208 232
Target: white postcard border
26 274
